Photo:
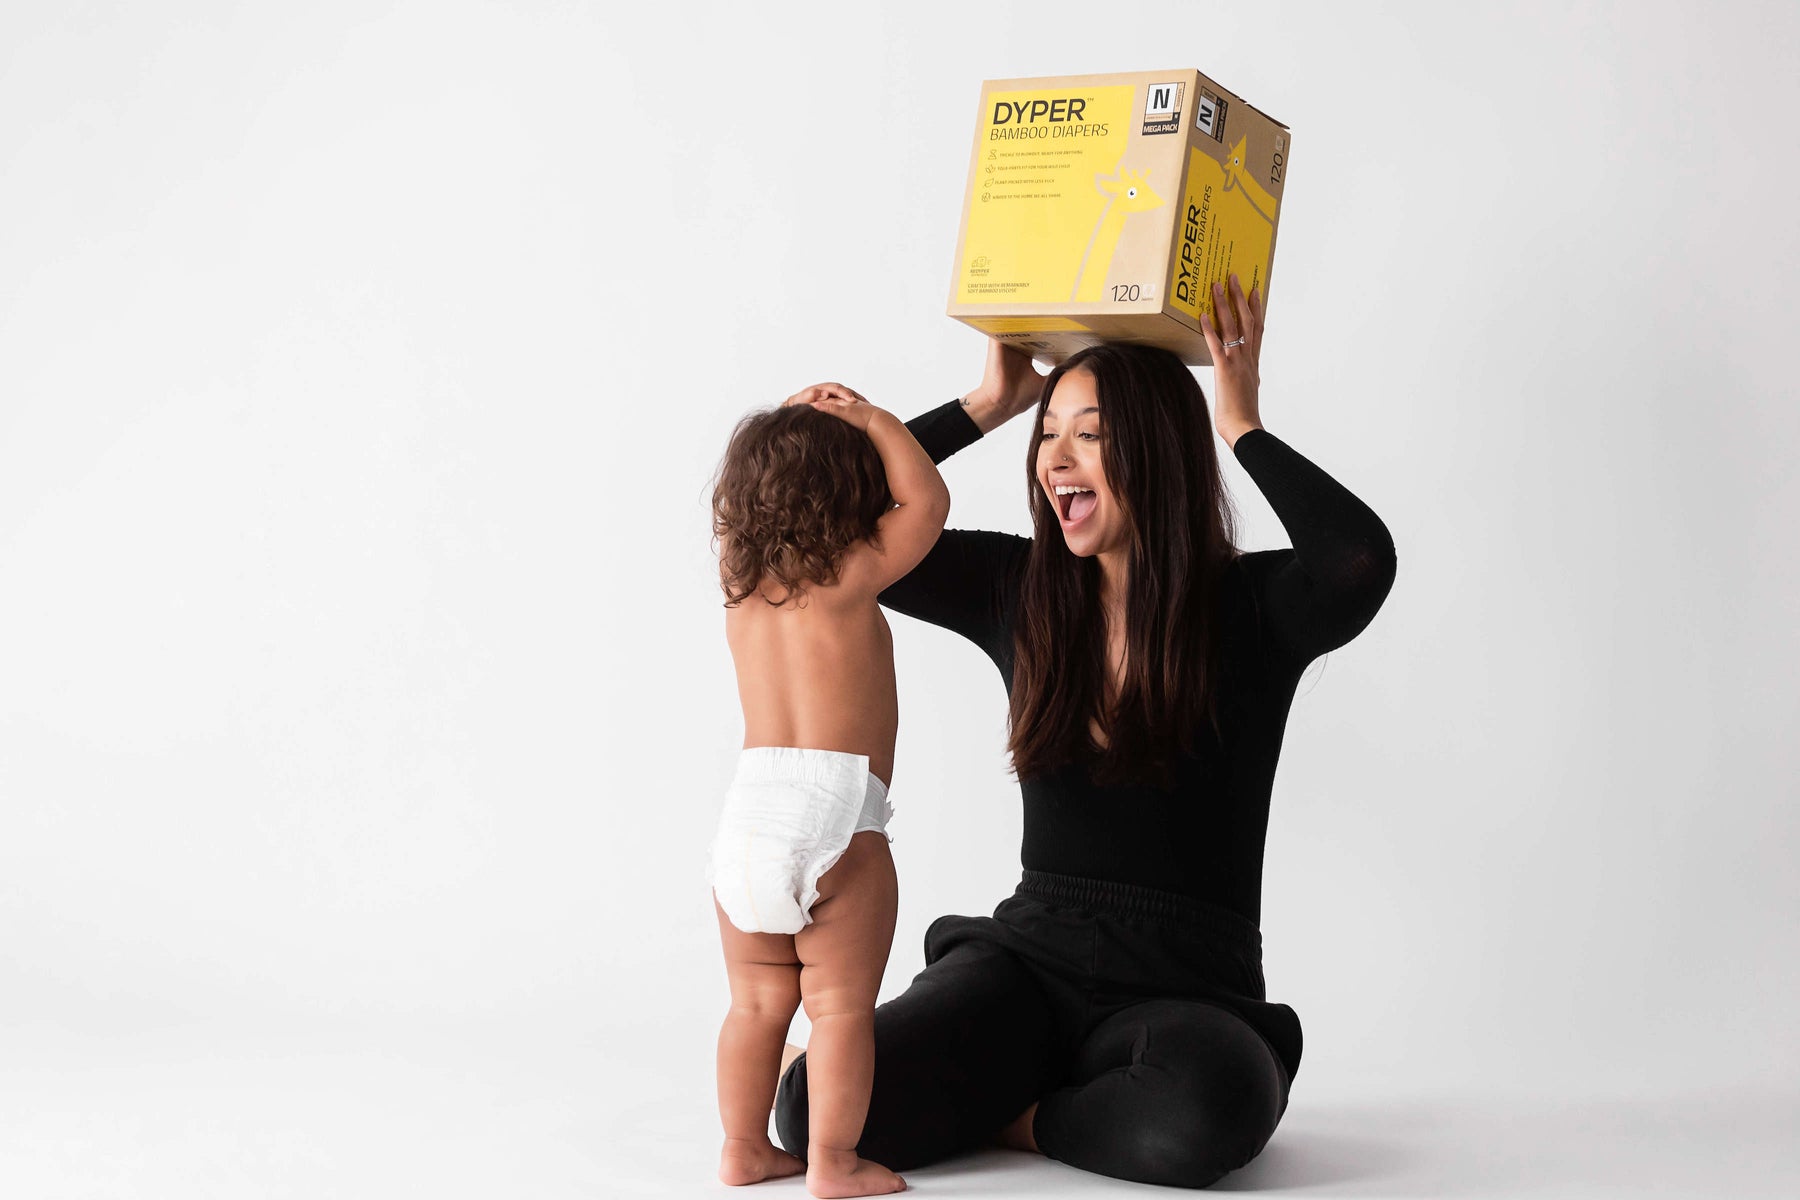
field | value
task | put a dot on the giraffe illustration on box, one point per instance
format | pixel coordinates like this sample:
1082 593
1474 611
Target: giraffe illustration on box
1126 192
1237 179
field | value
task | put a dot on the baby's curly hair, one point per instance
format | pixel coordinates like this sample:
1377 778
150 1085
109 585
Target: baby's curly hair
797 487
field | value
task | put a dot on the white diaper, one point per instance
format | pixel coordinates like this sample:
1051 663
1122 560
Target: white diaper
789 816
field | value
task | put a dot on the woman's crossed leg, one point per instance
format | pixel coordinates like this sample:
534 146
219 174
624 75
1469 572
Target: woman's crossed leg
1176 1092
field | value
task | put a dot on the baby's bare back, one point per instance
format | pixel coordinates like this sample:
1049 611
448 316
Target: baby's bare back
818 674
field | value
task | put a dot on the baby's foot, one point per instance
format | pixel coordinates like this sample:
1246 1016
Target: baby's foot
746 1161
834 1173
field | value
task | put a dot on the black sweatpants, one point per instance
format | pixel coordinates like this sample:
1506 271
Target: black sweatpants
1135 1018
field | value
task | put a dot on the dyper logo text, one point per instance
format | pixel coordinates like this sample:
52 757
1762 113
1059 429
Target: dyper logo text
1060 118
1193 233
1071 109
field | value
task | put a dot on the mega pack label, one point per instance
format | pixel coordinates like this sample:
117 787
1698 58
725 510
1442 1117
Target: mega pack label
1103 207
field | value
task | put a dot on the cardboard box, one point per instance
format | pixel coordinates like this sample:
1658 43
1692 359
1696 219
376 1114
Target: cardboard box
1103 207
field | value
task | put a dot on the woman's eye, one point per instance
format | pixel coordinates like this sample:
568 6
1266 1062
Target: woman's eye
1090 436
1044 437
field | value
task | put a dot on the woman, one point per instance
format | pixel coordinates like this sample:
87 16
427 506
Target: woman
1111 1013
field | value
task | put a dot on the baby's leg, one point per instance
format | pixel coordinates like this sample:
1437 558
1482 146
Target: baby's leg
843 953
765 990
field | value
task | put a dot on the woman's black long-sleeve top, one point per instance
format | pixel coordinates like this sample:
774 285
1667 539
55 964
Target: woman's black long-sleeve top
1280 609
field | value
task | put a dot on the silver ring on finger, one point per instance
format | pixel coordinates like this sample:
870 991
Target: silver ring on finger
1239 342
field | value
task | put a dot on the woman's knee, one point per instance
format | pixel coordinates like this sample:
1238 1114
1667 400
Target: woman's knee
1194 1142
1219 1108
1187 1141
1199 1095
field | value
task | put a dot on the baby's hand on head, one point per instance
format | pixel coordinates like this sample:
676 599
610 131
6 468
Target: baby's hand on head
821 391
839 401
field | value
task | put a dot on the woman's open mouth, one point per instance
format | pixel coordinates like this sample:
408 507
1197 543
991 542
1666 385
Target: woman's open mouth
1073 503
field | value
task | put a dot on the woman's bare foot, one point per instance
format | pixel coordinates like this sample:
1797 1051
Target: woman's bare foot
744 1160
835 1173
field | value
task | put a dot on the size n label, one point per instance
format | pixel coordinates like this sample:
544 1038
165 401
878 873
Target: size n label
1209 115
1162 107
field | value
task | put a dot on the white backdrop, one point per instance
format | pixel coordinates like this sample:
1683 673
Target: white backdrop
363 698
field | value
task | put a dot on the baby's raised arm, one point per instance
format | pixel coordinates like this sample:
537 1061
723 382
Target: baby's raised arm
908 531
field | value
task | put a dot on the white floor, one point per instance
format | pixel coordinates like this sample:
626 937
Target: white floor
192 1113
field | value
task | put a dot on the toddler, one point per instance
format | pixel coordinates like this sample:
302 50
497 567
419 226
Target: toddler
820 504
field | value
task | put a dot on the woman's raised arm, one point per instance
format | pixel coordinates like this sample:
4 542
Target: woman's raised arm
1322 593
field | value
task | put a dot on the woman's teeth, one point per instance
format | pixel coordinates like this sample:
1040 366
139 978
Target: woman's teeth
1074 501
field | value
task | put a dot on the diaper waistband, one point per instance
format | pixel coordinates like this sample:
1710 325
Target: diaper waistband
758 764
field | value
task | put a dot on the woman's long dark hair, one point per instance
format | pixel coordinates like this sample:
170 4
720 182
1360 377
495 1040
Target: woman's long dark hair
1161 466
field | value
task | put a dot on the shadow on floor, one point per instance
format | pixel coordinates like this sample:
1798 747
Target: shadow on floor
1702 1144
1315 1159
1707 1143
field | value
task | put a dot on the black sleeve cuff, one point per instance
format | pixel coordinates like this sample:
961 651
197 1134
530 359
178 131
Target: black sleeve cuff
944 430
1251 443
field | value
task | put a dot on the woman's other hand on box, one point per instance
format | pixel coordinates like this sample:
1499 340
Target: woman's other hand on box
1234 335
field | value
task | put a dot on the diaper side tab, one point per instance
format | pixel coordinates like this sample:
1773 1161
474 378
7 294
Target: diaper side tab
876 810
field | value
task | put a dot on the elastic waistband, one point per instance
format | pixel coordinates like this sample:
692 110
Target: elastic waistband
758 764
1140 903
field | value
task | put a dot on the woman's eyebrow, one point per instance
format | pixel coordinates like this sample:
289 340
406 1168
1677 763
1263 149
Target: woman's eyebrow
1092 408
